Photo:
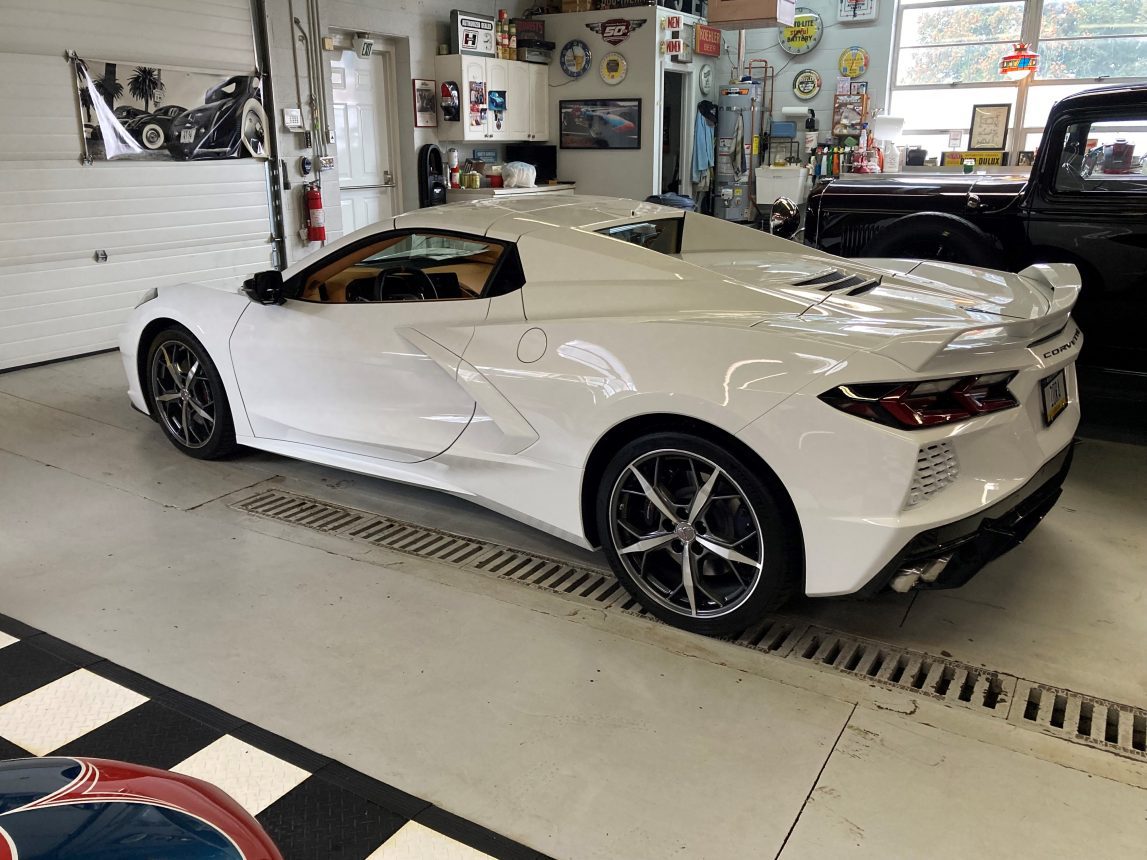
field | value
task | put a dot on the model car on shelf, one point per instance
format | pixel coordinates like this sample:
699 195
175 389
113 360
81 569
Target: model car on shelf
230 121
732 417
83 807
1084 202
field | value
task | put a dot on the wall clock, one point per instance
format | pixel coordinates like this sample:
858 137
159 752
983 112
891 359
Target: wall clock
575 58
855 11
853 62
804 34
705 78
806 84
613 68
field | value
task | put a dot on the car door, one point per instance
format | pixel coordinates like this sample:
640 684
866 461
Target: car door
1089 207
363 356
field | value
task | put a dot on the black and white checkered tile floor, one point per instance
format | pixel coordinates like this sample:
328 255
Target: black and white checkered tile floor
59 699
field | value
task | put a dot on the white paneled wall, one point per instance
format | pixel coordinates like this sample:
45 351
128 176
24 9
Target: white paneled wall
158 222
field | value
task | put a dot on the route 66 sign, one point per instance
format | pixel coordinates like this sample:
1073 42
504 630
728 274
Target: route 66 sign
616 30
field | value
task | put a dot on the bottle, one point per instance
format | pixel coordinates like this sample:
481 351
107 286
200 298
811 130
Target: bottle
864 137
513 41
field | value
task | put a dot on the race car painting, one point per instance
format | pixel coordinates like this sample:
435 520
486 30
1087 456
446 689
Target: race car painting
231 122
732 417
55 808
600 124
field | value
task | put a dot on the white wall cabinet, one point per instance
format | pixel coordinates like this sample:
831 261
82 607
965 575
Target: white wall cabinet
527 98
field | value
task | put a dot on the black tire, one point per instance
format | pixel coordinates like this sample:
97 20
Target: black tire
741 499
181 409
936 236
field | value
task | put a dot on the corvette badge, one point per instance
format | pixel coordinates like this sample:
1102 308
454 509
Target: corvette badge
616 30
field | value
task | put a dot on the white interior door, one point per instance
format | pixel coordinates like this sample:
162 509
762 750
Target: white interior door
364 115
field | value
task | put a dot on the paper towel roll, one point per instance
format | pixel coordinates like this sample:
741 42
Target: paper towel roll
795 110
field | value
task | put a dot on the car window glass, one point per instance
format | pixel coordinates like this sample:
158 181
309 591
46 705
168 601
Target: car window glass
663 235
421 266
1108 156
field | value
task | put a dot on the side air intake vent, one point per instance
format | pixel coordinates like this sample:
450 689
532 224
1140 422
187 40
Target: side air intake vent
837 281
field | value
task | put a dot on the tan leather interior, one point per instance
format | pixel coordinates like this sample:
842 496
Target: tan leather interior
328 284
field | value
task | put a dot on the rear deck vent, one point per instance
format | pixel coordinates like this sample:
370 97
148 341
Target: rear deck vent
1083 719
837 281
949 681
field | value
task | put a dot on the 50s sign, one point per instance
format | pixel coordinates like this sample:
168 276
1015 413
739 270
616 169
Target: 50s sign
616 30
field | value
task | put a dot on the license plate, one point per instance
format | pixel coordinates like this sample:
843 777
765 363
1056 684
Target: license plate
187 135
1054 390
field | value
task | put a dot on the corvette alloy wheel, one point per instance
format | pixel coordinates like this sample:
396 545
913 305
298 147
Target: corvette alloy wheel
182 392
185 394
686 534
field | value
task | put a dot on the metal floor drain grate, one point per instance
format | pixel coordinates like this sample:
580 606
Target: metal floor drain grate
593 586
1083 719
949 681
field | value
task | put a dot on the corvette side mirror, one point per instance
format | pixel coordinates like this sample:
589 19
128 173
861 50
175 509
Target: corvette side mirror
784 218
266 288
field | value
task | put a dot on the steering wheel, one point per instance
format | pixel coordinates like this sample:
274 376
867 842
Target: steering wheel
405 282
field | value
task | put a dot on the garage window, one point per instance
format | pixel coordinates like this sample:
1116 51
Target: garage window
946 59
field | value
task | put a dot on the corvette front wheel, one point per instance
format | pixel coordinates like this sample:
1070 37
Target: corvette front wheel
187 396
698 539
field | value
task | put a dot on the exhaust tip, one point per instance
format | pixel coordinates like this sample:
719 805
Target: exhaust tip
913 575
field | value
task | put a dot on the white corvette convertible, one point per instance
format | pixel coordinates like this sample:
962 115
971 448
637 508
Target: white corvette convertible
731 416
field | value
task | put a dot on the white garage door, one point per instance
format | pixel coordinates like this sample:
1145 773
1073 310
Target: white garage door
158 222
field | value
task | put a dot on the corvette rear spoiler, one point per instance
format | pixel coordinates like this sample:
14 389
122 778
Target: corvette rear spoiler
1059 282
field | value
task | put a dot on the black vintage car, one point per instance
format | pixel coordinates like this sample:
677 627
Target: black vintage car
1085 202
230 122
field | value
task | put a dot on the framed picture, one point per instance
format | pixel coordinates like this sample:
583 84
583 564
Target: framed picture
1026 158
989 127
425 112
600 123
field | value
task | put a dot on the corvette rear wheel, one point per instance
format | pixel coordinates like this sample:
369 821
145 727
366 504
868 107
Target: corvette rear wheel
187 396
697 538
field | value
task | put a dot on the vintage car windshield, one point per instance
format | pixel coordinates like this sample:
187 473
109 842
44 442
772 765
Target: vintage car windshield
662 235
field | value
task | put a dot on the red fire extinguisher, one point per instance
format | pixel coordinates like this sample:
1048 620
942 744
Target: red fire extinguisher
316 218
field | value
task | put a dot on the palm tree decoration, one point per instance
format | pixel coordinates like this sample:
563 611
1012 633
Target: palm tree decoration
108 86
145 85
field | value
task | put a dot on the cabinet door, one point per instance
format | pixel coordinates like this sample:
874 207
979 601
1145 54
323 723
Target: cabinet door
539 101
497 78
475 70
516 124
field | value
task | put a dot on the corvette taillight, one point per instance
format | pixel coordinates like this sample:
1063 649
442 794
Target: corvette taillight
912 405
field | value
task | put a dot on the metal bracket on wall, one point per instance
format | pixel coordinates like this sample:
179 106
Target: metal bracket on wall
74 60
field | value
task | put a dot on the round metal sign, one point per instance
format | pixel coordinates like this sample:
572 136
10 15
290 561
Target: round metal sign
853 62
806 84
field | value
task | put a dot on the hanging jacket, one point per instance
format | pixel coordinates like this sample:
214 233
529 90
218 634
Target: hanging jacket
702 147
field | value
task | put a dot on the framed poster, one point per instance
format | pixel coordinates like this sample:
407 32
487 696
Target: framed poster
600 123
425 114
989 127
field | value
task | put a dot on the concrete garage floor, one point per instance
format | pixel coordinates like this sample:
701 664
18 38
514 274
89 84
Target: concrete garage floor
582 733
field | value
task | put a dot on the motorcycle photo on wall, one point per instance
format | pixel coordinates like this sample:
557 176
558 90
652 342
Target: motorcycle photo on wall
153 114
